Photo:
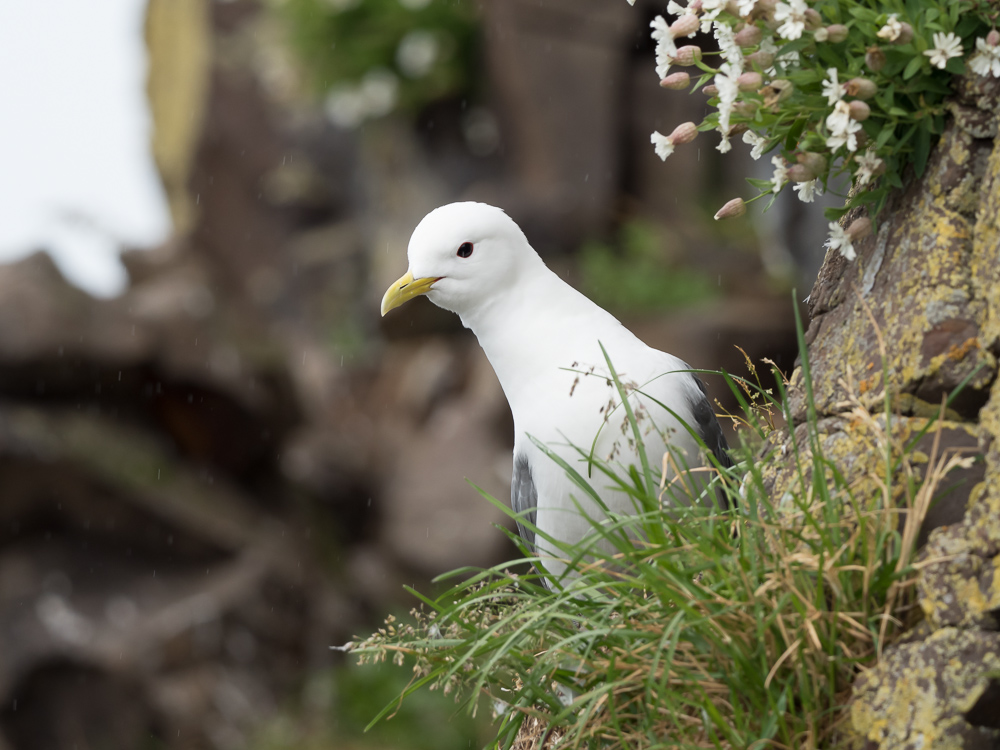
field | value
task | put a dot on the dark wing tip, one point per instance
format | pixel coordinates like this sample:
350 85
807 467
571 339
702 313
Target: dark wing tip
524 497
708 427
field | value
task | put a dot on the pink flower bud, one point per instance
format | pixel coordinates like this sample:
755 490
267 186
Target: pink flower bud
735 207
993 38
710 90
800 173
874 59
861 88
859 110
814 162
688 55
905 34
761 59
683 133
676 81
696 7
836 33
813 19
685 25
749 36
749 81
859 229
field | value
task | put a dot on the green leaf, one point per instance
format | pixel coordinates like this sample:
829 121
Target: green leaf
911 70
887 131
792 139
955 65
762 185
864 14
867 197
834 213
813 141
967 25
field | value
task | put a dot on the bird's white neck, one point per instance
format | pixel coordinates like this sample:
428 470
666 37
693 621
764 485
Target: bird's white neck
533 324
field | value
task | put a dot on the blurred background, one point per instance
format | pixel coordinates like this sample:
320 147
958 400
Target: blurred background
216 460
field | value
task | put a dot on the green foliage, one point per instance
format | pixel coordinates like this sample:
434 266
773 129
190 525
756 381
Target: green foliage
640 278
341 41
855 87
736 628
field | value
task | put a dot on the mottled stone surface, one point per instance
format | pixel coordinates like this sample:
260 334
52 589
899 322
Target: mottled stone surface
918 695
960 582
929 280
918 314
960 585
858 450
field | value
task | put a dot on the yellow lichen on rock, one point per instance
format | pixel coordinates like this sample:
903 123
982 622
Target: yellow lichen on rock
916 698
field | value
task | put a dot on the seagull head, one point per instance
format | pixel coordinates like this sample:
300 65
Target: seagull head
461 256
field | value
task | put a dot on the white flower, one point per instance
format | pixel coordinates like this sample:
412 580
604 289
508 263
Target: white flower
729 91
847 138
842 128
839 120
663 145
745 7
666 50
661 29
833 90
675 9
780 174
724 146
789 59
868 164
631 2
986 60
793 18
767 45
757 142
808 190
840 241
710 10
727 45
946 46
892 29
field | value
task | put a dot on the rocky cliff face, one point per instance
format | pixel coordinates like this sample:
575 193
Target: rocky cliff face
922 302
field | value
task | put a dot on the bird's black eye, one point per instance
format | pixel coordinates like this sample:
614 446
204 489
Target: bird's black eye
465 250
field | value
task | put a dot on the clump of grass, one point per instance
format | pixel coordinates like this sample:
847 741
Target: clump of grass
739 624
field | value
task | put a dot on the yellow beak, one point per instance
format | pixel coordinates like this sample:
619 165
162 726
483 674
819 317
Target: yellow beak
404 289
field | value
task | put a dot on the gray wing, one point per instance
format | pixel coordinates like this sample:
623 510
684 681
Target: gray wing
524 497
708 428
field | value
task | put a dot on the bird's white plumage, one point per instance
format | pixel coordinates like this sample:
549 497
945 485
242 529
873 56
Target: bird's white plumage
544 339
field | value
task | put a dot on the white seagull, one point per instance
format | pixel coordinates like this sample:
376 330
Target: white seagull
544 340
